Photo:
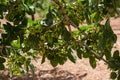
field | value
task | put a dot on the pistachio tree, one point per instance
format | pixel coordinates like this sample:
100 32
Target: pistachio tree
63 28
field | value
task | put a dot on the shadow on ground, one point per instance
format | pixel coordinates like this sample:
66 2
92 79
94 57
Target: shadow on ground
53 74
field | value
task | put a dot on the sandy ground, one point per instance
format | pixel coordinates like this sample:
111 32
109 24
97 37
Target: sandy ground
70 71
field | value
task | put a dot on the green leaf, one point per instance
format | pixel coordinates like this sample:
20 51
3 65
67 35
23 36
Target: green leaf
5 51
2 67
43 59
28 60
93 15
86 55
32 68
49 22
118 78
49 15
92 61
16 43
79 53
96 17
116 54
66 35
30 10
108 27
8 27
75 33
114 37
80 0
46 22
85 28
35 57
1 16
2 60
87 16
118 72
62 60
71 57
54 62
113 75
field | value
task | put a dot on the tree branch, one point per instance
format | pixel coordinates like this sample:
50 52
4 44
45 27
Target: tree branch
69 22
93 52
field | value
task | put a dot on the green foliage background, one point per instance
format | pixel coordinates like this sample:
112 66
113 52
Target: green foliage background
23 38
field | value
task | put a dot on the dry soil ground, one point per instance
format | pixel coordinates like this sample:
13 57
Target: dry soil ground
70 71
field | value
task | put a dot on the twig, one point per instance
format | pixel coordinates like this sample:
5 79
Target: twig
67 20
55 24
9 47
92 51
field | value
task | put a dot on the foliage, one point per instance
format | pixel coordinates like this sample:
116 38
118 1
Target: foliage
24 38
